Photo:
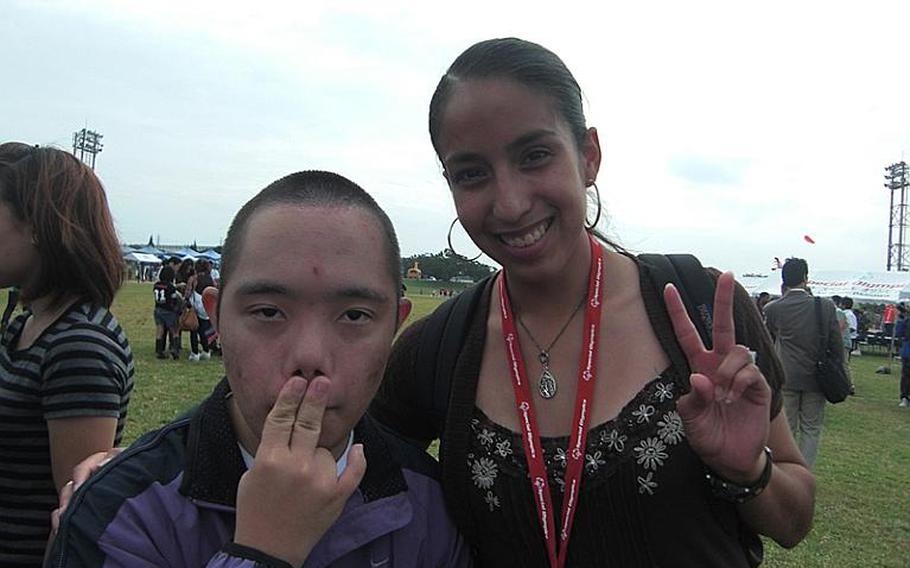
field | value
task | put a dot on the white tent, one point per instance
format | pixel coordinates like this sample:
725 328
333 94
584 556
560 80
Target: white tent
871 287
141 257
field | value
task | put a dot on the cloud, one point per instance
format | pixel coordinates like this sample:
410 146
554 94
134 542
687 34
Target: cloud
728 129
699 170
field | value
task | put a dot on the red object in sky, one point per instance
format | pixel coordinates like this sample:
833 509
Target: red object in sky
889 314
809 239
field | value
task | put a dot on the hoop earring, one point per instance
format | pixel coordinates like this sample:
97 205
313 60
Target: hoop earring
451 248
596 217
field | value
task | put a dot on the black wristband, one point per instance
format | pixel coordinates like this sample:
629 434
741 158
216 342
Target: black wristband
735 493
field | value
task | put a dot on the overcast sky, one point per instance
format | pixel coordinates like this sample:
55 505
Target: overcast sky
729 129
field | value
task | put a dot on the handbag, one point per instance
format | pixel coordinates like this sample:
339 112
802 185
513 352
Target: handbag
830 375
188 321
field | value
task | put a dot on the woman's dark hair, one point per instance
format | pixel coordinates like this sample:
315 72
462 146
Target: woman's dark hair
64 205
524 62
528 64
185 270
166 274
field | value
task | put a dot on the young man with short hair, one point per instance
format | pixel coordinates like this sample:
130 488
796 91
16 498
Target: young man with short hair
280 466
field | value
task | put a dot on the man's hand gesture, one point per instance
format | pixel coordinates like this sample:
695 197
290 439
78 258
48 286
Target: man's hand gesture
726 414
292 494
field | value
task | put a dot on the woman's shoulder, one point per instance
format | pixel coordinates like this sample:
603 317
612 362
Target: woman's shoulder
89 326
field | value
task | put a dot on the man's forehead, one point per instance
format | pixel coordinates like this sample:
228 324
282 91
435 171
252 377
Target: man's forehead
344 220
316 242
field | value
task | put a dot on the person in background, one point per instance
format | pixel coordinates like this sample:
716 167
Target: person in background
66 368
844 327
902 330
185 273
792 322
762 301
202 336
216 276
174 262
279 467
575 369
852 321
168 303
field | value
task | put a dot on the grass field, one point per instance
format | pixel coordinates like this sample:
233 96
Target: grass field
862 514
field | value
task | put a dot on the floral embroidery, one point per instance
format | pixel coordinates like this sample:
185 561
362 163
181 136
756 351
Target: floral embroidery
649 427
486 437
614 441
594 461
483 472
504 448
644 413
646 485
560 457
560 483
671 428
664 391
650 453
491 500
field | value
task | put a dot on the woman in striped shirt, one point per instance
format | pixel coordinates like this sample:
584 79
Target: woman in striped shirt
66 369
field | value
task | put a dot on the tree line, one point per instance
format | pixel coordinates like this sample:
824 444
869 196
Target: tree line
445 265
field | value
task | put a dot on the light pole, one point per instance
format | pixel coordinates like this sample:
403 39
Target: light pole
87 143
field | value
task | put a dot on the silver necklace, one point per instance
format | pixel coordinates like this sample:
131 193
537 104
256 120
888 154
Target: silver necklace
547 383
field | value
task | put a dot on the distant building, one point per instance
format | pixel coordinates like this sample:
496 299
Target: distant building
414 273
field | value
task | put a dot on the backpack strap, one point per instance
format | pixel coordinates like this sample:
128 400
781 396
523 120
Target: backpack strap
695 287
441 340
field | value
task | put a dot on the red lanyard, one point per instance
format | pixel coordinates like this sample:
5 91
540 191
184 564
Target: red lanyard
575 454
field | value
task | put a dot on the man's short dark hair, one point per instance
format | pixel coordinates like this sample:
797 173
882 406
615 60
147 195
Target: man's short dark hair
795 272
315 189
847 302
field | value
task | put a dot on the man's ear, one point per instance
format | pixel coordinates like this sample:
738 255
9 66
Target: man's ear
210 303
404 310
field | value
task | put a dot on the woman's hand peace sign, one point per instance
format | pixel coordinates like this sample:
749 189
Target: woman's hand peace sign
726 414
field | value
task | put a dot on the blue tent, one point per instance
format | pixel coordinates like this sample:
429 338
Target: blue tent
147 249
209 254
186 252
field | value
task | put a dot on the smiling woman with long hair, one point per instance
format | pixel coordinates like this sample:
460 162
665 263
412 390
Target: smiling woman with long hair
66 369
581 393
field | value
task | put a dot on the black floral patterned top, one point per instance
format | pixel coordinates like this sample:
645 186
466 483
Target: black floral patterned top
644 500
644 433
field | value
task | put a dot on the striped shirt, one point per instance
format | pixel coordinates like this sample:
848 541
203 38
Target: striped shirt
80 366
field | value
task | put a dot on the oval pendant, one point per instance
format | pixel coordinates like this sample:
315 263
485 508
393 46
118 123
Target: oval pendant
547 384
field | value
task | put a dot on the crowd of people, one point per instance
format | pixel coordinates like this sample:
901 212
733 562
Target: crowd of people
178 294
583 417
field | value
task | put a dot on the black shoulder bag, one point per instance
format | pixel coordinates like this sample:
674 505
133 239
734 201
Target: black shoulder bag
830 375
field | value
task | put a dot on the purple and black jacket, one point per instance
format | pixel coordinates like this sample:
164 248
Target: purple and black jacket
169 500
